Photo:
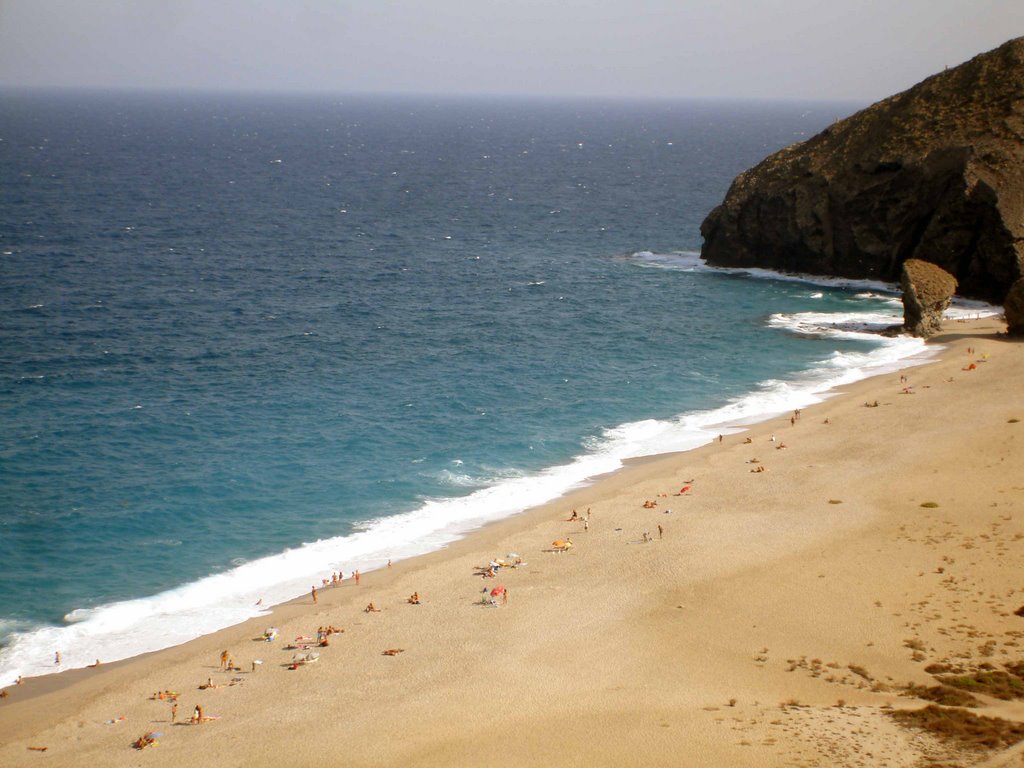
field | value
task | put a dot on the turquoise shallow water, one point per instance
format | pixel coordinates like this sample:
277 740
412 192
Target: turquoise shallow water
244 341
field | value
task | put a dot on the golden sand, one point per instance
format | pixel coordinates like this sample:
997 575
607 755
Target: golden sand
774 620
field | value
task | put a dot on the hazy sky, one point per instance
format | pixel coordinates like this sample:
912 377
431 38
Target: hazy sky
852 49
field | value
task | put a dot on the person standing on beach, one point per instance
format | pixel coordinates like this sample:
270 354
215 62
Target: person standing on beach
174 712
56 658
660 531
355 575
224 659
312 591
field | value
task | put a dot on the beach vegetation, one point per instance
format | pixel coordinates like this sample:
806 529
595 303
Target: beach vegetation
945 695
1016 668
962 727
998 684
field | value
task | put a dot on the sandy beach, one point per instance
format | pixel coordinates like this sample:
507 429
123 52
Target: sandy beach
760 618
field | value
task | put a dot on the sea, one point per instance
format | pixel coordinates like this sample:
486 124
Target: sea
248 340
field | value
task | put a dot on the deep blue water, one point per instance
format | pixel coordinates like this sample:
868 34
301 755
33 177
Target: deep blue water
233 325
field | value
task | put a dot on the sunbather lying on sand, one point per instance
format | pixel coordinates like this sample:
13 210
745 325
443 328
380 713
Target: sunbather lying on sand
146 740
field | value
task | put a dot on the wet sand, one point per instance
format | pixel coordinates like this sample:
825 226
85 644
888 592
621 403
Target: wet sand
774 621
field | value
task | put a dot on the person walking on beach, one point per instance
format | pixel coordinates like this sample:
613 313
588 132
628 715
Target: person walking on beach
224 659
660 531
355 575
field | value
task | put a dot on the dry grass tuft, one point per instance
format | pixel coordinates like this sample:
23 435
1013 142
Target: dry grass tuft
859 670
966 728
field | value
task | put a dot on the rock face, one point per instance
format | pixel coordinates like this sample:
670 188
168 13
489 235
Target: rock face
927 292
1014 308
934 173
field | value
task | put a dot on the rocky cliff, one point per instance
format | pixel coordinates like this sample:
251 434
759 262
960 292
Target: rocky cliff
934 173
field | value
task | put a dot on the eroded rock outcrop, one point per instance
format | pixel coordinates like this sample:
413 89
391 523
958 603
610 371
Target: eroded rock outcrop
927 293
934 173
1014 309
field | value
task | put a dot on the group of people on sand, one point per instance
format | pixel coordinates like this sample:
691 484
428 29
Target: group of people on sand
333 581
323 635
227 663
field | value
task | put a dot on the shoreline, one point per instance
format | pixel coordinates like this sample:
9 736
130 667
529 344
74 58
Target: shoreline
922 357
743 537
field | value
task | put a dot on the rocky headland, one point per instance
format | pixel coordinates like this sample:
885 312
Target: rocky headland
935 173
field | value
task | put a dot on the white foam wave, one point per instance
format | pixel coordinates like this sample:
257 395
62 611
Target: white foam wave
132 627
681 261
863 325
690 261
